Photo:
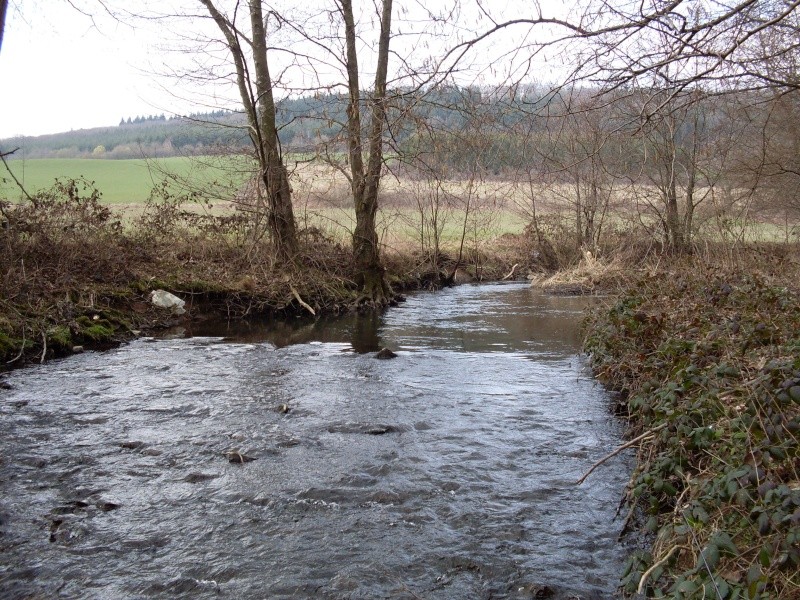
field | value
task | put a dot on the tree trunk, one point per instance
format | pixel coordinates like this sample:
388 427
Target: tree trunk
3 10
688 215
589 211
675 237
365 182
273 171
259 105
578 213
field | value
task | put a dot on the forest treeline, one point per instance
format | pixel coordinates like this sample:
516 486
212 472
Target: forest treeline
708 159
301 121
304 123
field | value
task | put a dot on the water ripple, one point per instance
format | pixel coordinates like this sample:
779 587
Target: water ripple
447 472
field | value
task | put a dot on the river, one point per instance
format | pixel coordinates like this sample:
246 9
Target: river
446 473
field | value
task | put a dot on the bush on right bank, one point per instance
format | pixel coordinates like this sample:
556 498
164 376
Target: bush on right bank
708 366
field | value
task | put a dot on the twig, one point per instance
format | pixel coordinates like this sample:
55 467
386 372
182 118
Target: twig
14 177
300 300
44 347
646 574
511 272
703 557
633 442
21 349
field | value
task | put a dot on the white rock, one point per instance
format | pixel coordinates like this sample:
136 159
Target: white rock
164 299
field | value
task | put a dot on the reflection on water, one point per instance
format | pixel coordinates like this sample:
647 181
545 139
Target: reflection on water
447 472
499 317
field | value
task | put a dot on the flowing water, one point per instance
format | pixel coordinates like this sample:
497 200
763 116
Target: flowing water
447 472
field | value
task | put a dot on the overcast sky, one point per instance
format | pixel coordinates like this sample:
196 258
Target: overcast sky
62 70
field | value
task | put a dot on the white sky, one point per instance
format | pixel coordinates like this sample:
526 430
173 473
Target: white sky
62 71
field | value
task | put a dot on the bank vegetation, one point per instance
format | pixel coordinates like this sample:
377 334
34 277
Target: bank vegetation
663 166
706 364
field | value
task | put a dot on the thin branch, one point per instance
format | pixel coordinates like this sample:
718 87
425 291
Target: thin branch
633 442
302 303
646 574
14 177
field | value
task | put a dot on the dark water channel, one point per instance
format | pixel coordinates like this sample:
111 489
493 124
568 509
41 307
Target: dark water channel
447 472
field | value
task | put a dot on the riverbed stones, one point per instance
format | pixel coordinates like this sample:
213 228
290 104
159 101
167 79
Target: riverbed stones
237 457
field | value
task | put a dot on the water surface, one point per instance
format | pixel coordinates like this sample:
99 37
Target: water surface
447 472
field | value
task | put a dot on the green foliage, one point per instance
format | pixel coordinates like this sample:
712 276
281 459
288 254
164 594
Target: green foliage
711 365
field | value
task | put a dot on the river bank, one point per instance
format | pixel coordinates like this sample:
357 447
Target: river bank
707 365
87 315
77 277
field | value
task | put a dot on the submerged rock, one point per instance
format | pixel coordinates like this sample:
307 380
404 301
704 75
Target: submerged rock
198 477
107 505
236 457
379 430
536 591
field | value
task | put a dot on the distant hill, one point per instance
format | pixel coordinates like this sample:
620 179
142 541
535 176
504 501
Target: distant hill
134 138
304 123
300 120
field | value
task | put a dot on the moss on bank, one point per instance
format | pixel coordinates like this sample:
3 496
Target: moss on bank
709 364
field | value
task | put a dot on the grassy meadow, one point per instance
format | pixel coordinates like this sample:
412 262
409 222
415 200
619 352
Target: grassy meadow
322 195
411 208
123 181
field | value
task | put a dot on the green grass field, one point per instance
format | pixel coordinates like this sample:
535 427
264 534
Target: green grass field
127 183
123 181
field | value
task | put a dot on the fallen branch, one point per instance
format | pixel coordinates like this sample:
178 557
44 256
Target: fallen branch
646 574
633 442
300 300
511 272
44 347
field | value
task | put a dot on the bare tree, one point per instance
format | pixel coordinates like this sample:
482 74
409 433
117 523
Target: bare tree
580 158
365 179
726 44
249 56
677 162
768 158
3 11
752 44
